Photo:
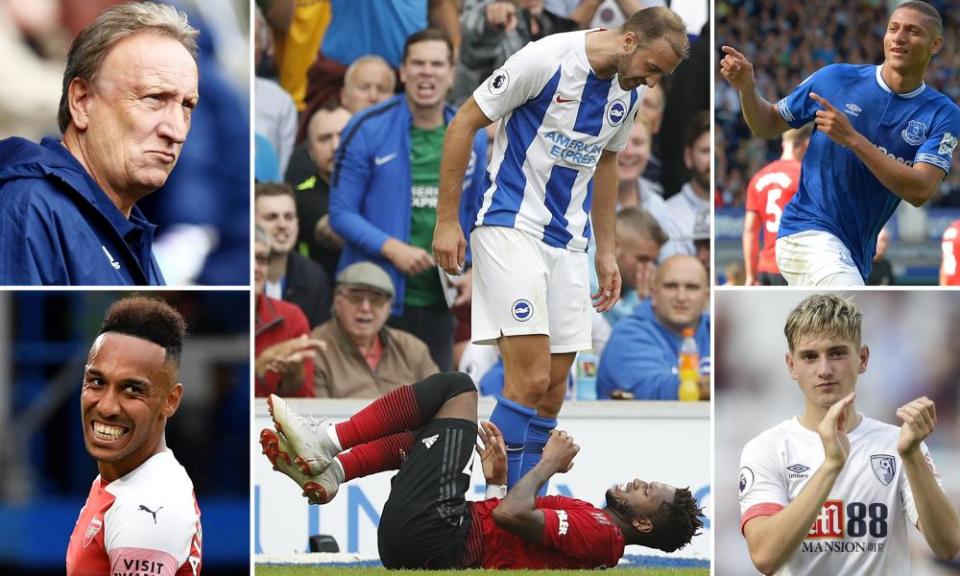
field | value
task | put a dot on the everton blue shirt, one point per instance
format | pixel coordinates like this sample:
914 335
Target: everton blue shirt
838 193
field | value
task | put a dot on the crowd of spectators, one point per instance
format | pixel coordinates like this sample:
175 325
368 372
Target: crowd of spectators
788 41
353 188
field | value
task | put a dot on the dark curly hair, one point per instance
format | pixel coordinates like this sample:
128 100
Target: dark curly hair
675 523
150 319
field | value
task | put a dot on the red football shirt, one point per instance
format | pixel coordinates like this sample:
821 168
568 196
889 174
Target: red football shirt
951 250
768 192
575 535
146 522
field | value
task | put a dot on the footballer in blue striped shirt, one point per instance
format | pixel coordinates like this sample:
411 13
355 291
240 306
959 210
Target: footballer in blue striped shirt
566 105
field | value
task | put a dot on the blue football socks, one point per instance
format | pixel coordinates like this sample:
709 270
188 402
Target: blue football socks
513 420
537 435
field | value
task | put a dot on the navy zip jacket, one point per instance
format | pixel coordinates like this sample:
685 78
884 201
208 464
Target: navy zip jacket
370 194
57 227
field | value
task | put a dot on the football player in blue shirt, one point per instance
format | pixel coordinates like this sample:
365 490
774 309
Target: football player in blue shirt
882 136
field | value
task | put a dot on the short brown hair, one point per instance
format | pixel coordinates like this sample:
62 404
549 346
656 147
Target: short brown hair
659 22
639 221
824 315
427 35
95 41
272 189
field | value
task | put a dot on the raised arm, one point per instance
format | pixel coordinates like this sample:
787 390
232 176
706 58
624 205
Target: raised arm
938 519
773 539
761 116
449 243
518 513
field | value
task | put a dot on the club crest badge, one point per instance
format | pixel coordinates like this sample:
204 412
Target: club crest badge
616 112
884 468
522 310
92 530
915 133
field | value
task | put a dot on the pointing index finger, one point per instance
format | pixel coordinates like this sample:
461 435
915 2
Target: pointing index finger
821 101
731 51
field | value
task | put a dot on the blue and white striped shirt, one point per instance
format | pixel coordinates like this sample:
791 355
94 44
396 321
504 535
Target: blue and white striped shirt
557 119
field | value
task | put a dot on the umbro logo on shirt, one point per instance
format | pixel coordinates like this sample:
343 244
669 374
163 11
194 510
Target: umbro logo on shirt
853 109
798 471
430 440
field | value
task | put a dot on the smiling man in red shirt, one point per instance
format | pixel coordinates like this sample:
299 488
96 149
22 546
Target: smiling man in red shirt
141 515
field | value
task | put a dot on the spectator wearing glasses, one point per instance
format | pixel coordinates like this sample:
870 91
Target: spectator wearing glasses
364 357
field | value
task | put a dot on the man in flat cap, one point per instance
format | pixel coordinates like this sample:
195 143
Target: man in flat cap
364 357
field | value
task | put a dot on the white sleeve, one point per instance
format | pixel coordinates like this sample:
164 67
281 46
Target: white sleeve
763 489
152 534
520 78
906 493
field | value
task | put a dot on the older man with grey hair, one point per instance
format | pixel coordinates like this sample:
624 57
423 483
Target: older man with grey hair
365 358
68 213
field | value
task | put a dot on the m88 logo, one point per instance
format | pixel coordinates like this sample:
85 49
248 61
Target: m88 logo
855 519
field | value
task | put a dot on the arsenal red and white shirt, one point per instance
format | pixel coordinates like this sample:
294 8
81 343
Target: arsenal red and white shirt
144 523
862 526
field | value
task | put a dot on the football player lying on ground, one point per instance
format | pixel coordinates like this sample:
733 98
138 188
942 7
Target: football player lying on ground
428 430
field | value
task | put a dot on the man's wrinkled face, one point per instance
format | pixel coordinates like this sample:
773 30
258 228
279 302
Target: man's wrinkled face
277 215
133 118
324 137
129 391
645 65
361 311
371 83
910 41
427 73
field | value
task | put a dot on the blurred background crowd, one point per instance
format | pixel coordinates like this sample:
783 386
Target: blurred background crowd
203 210
329 70
786 42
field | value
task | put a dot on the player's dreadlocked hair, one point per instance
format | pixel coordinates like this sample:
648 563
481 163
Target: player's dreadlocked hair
149 319
675 523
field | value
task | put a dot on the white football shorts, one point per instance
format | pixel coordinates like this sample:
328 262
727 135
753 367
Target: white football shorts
816 258
523 286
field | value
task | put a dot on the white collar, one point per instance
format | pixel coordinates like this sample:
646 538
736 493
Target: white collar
883 84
